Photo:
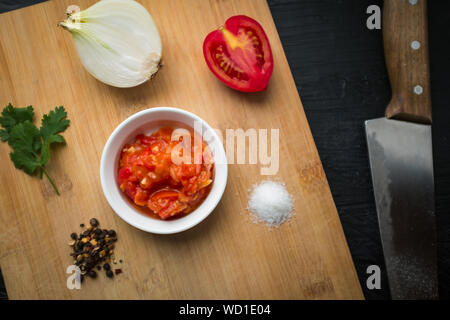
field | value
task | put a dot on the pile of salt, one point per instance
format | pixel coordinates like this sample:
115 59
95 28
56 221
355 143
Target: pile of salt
270 203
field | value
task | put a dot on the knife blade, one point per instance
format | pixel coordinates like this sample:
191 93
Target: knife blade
400 155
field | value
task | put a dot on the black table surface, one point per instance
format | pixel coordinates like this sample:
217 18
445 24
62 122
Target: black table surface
339 70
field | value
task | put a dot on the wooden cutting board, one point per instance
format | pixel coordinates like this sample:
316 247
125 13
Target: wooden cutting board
226 256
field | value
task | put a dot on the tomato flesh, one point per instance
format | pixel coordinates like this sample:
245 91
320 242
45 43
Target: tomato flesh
150 179
239 54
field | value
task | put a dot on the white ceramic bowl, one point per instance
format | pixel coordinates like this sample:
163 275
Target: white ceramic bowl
147 121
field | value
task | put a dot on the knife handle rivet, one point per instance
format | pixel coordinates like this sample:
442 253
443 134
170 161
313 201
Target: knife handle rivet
418 90
413 2
415 45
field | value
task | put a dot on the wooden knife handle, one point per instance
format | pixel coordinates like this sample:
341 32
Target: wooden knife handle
405 36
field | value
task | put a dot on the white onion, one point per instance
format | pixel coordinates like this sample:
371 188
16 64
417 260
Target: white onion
117 42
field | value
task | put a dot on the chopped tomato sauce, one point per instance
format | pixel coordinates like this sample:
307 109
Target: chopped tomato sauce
149 177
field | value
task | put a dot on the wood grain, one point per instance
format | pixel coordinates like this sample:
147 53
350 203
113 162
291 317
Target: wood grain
226 256
408 68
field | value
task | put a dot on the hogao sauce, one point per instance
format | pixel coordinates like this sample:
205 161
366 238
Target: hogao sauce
161 177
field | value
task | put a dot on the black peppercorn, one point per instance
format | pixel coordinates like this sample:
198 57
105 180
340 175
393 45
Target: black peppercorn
92 248
112 233
93 222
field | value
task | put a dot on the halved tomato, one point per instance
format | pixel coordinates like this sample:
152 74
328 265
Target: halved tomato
239 54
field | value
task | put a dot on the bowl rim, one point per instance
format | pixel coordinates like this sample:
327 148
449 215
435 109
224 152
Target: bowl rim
217 166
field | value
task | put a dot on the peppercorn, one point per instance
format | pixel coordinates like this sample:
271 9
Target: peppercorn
112 233
93 222
92 248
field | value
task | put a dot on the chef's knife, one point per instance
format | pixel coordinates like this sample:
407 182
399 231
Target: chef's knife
400 154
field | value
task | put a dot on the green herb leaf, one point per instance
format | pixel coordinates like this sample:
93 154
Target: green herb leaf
12 116
53 123
30 145
45 150
22 140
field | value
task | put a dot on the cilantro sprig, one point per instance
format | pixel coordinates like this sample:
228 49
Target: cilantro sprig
30 145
